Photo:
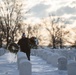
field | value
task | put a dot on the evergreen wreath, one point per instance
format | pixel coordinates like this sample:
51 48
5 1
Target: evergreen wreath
13 47
33 42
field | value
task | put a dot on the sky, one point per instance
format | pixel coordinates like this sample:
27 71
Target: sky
43 8
38 9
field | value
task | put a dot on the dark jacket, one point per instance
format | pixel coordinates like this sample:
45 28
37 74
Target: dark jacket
24 45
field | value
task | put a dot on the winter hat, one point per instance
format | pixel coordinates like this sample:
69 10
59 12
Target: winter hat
23 35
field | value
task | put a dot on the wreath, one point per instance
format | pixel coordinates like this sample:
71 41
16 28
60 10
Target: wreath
33 42
13 47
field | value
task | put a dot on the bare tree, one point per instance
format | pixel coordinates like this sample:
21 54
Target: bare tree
56 32
11 17
36 32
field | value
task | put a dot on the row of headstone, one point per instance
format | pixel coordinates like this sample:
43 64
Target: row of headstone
24 65
57 60
69 54
50 57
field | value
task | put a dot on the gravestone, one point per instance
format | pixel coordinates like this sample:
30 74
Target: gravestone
49 57
20 56
62 63
71 68
25 67
54 59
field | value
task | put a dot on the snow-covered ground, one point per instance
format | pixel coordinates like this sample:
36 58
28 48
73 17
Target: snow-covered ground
8 66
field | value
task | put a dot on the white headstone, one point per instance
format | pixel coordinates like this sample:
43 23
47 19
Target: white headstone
54 59
71 68
25 67
62 63
20 55
49 57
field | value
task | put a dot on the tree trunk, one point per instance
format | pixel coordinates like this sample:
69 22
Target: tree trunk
7 37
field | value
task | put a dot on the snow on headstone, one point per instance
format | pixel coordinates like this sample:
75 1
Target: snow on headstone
54 59
49 57
20 55
25 67
71 68
40 52
63 52
75 56
32 51
44 54
70 55
62 63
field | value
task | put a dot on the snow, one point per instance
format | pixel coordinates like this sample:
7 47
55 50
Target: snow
8 66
